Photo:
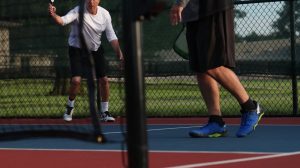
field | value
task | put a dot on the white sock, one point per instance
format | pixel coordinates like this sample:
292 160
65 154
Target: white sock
71 103
104 106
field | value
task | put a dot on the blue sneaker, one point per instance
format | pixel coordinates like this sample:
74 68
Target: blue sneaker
249 121
210 130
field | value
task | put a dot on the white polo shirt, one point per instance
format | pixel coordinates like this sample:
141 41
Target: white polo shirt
93 26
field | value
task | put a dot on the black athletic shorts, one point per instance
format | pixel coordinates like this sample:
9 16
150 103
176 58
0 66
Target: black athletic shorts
79 62
211 42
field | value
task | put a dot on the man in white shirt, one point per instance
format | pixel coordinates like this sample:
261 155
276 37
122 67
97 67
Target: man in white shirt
96 21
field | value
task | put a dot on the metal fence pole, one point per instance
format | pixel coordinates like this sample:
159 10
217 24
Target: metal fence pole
293 57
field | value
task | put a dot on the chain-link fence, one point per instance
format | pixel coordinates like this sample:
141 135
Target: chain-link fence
34 67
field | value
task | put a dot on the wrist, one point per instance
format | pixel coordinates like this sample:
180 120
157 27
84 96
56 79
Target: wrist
54 15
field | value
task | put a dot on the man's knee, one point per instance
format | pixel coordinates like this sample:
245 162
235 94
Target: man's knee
103 81
76 82
215 70
218 71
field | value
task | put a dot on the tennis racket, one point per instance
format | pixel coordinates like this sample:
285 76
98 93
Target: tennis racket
180 44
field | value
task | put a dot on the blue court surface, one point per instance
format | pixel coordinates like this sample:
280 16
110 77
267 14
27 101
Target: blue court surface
268 139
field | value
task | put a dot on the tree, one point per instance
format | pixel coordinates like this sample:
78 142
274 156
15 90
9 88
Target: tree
282 24
240 14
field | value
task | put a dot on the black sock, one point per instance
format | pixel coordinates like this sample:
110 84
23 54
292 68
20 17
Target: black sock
249 105
216 119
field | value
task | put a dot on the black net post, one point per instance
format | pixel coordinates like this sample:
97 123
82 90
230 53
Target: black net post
95 116
134 88
293 57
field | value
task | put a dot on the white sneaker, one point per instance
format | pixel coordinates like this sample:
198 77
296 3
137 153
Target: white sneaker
68 114
107 117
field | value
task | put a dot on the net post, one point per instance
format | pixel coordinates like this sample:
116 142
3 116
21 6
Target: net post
95 116
134 88
293 57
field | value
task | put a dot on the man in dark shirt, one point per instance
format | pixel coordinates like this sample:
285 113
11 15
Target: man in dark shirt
210 39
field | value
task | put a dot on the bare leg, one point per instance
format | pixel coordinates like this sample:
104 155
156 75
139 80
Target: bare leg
229 80
104 94
74 88
104 89
210 91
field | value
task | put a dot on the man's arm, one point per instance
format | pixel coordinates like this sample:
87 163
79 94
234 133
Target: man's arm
116 47
52 12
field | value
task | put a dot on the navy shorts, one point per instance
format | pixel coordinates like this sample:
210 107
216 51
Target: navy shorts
79 62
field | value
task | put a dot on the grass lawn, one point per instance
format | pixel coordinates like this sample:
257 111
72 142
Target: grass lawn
165 97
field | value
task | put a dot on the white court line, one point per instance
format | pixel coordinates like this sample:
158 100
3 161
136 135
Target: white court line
170 128
175 128
216 152
156 129
63 150
236 160
153 151
84 124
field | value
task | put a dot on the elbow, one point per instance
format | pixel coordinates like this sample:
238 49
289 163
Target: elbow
114 40
61 23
